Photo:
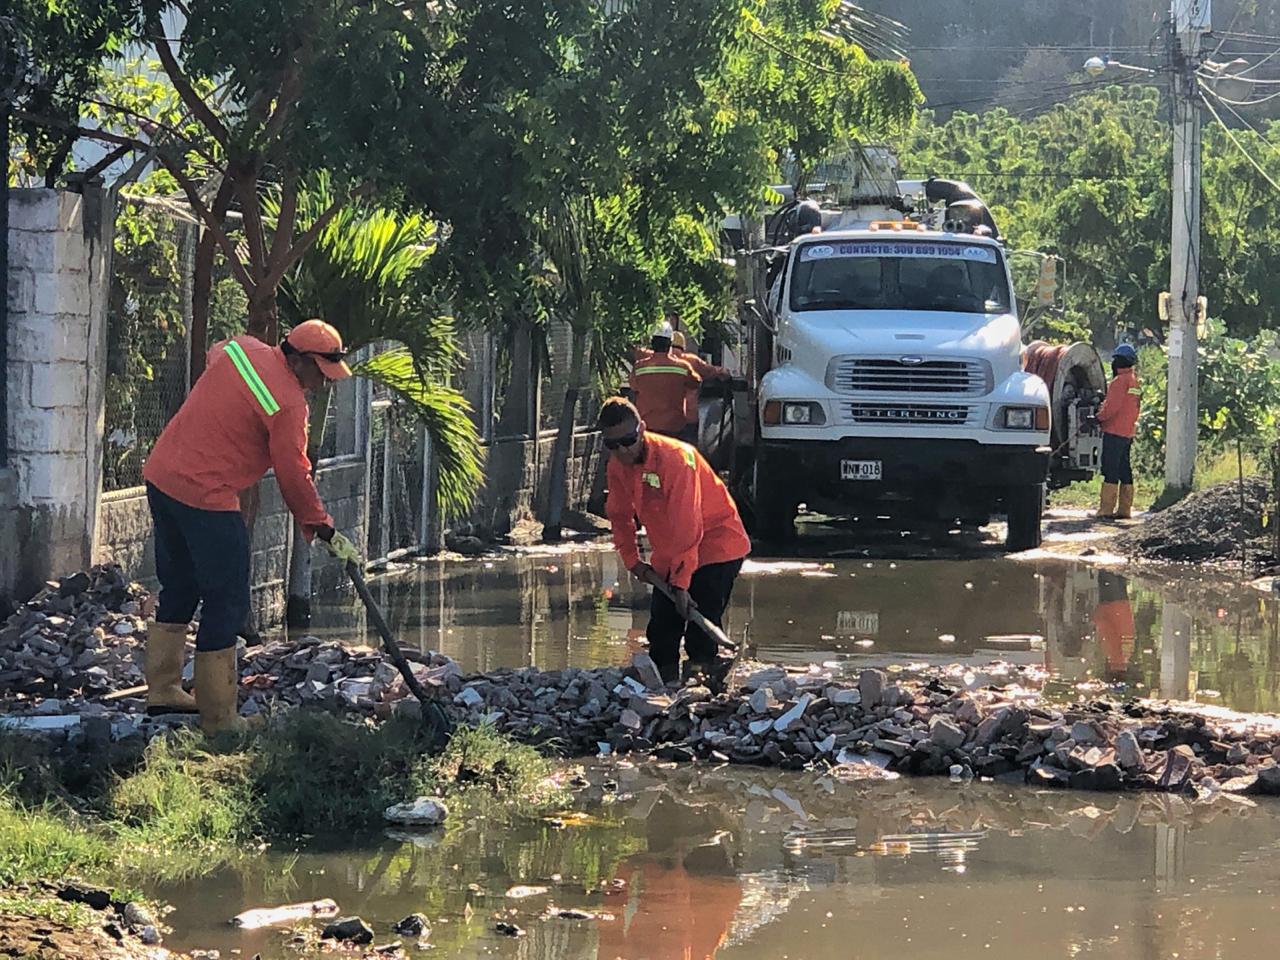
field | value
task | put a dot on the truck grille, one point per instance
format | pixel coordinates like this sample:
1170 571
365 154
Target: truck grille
912 375
916 414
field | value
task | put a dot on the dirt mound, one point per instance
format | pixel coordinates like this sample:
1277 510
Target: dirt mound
1206 527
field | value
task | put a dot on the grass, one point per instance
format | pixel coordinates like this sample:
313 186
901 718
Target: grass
20 903
187 803
1150 491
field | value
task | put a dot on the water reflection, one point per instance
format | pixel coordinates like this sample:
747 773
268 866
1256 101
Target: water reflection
1185 637
732 863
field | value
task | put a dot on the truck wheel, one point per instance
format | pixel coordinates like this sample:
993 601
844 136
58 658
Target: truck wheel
773 508
775 522
1024 505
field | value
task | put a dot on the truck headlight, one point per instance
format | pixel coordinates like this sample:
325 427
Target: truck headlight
803 414
794 413
1023 418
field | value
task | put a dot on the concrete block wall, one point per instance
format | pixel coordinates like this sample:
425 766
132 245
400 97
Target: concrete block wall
516 475
124 535
59 258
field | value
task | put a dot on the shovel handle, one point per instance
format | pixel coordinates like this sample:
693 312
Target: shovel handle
437 715
695 615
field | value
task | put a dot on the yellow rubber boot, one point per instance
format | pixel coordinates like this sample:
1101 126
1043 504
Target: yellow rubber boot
164 654
217 689
1107 503
1125 509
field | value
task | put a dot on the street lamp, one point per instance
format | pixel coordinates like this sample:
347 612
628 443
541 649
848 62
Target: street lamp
1097 66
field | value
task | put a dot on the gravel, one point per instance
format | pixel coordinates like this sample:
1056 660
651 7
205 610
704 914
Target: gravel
1205 527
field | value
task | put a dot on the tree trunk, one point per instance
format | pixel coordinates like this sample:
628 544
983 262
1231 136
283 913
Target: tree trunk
262 318
201 294
557 491
297 615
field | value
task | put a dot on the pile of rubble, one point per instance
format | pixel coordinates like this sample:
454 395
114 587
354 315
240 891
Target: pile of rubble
921 725
79 637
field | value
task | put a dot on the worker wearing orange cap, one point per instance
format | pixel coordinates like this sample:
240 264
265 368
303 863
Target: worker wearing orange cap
705 370
695 534
660 383
246 414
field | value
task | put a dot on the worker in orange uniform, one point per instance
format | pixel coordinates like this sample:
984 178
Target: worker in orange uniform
696 536
660 383
246 414
706 372
1119 419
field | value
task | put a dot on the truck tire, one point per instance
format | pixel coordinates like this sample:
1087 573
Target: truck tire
773 508
1024 506
775 522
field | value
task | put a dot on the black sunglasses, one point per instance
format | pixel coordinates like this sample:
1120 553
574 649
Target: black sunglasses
333 356
627 441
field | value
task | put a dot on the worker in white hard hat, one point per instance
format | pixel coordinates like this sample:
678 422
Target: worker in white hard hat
706 371
660 382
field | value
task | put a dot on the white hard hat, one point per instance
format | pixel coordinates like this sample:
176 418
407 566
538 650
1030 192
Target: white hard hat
662 331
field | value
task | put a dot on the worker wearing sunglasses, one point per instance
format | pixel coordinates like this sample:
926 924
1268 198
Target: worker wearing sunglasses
245 415
696 537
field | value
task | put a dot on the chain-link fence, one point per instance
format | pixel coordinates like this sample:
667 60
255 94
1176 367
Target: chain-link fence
555 380
396 479
148 340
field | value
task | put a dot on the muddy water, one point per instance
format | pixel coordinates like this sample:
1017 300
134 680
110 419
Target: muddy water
767 865
1194 637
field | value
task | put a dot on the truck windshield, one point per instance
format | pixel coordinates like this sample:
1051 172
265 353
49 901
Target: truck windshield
900 275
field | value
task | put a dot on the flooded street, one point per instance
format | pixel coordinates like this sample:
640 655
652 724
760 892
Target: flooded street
767 865
734 862
1192 637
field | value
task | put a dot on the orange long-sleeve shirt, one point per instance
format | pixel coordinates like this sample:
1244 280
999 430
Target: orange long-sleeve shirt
1119 413
660 382
225 437
706 370
685 507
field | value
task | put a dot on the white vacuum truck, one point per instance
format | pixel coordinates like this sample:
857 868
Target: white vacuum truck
882 369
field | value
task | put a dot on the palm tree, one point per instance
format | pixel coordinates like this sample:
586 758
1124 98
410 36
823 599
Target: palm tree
366 275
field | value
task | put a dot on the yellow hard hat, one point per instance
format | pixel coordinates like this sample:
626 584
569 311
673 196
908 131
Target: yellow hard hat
677 340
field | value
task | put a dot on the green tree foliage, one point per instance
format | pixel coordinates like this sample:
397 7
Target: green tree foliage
1089 181
366 274
1239 397
59 48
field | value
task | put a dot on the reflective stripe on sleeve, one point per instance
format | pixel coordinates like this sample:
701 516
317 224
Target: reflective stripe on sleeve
251 379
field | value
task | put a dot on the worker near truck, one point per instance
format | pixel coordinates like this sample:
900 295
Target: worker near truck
660 383
707 372
1118 417
696 537
246 414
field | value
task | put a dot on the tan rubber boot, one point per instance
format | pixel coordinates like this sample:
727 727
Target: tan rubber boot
1125 510
217 689
164 654
1107 503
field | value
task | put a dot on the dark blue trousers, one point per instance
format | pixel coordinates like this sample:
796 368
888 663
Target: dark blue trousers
1116 467
201 556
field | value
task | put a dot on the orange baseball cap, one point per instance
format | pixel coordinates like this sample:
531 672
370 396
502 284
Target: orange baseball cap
323 343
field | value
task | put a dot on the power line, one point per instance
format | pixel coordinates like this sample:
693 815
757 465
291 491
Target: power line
1026 49
1236 141
1084 85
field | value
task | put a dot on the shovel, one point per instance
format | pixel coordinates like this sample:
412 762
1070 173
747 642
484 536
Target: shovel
695 616
706 626
438 723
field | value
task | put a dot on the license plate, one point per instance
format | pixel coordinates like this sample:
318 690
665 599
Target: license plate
861 469
857 621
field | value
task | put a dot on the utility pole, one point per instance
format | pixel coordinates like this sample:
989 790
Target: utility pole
1191 21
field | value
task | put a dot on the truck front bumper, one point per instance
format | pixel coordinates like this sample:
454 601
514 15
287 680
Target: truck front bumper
910 468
